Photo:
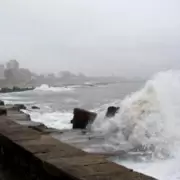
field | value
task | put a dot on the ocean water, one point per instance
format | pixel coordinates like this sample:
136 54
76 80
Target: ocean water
148 121
57 103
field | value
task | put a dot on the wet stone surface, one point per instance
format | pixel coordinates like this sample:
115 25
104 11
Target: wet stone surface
31 154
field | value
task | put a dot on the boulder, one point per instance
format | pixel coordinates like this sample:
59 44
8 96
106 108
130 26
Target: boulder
2 103
3 111
82 118
18 107
111 111
35 107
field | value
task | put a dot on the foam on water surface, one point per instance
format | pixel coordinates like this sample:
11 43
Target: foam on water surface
150 119
58 120
45 87
168 169
16 98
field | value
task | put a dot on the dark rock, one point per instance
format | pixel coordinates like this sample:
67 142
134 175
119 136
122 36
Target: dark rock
14 89
82 118
3 111
4 90
35 107
111 111
18 107
2 103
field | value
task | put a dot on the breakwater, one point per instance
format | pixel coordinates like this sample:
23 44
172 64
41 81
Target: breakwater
30 151
15 89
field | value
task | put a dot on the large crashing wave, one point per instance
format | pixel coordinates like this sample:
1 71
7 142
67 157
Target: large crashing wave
149 118
45 87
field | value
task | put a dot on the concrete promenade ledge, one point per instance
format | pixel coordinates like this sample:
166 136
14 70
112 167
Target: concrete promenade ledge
36 155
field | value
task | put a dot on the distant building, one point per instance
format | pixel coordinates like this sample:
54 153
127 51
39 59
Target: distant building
66 74
12 64
2 71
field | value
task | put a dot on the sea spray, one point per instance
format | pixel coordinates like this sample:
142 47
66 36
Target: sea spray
57 120
45 87
148 118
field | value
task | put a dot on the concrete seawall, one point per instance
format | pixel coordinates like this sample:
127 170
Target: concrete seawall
36 155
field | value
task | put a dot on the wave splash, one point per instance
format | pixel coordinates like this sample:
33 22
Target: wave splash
45 87
149 118
57 120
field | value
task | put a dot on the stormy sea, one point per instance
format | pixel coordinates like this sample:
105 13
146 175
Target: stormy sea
149 117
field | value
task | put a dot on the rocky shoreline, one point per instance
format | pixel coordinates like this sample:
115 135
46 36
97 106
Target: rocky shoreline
18 126
79 136
15 89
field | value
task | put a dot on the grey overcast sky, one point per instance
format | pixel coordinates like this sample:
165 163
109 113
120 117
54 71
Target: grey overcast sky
97 37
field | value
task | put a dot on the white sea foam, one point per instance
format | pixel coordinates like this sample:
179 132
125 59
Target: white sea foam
149 118
45 87
168 169
12 98
58 120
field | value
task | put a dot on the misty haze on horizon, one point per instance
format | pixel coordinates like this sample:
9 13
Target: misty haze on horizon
98 37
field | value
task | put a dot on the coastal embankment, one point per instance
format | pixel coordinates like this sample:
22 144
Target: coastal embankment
28 149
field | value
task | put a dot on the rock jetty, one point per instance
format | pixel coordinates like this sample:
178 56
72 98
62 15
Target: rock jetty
35 155
14 89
